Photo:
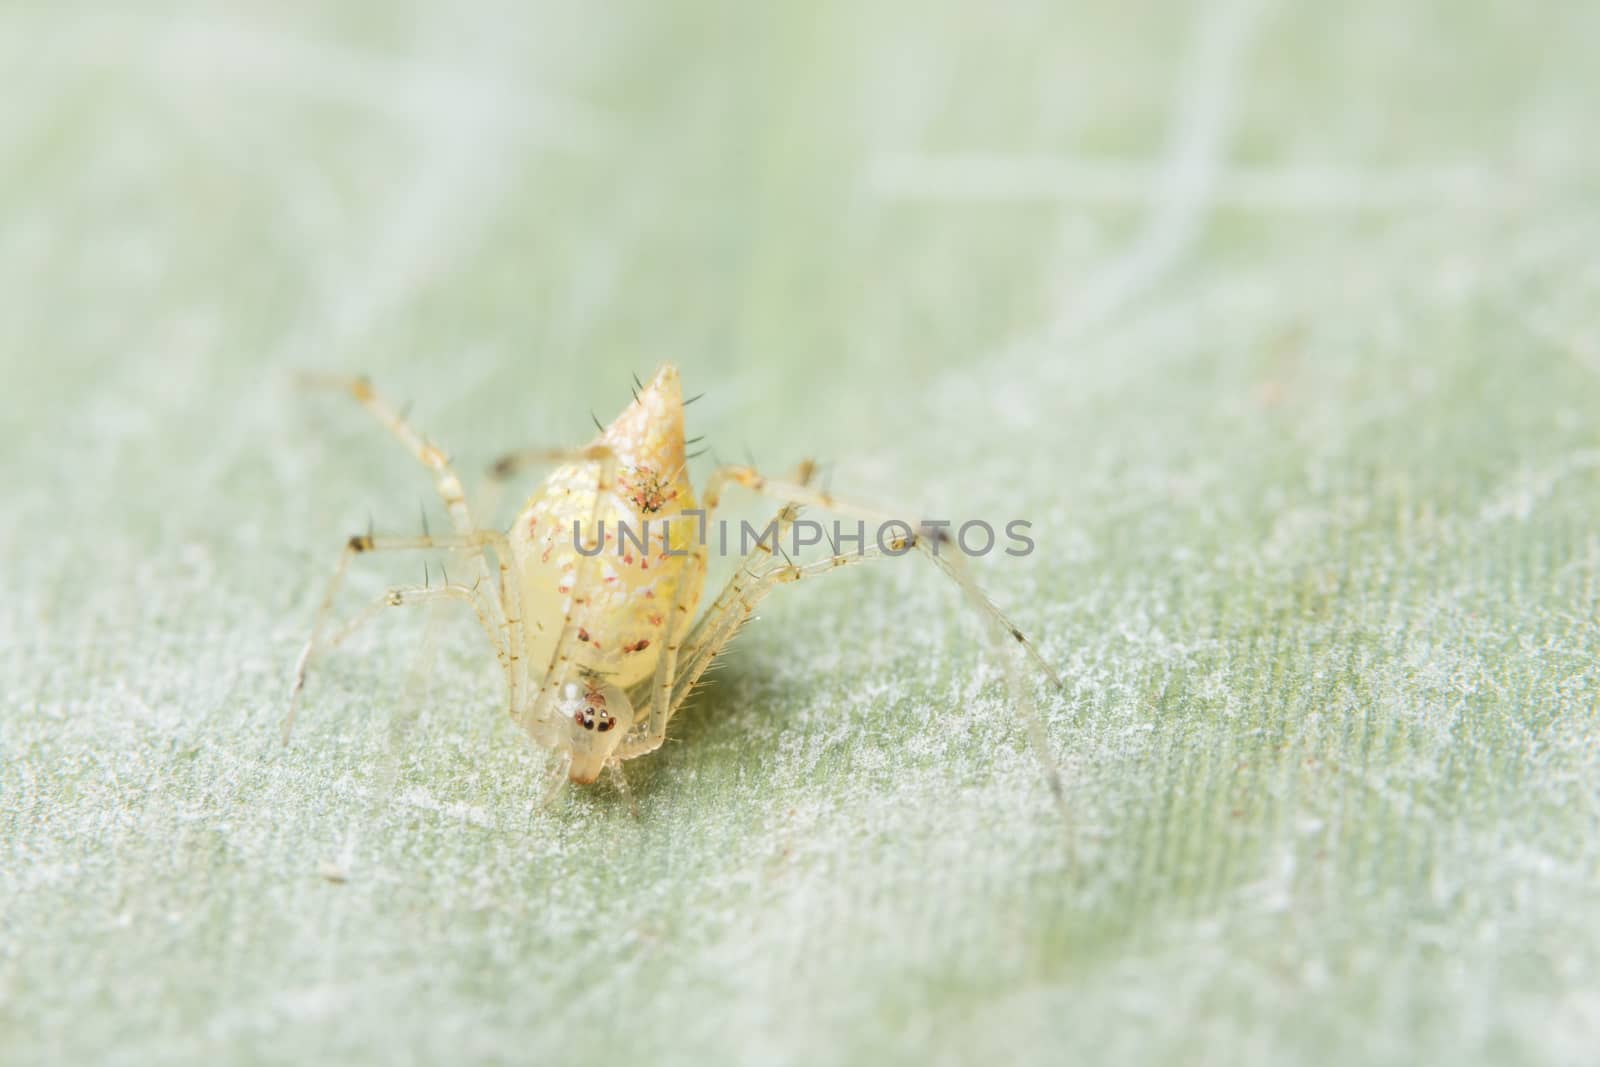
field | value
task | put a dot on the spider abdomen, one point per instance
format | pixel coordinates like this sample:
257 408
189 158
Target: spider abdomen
638 543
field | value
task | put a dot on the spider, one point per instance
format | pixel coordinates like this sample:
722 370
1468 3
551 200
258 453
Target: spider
598 639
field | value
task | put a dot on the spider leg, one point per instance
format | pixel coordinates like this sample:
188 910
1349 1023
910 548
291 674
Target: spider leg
607 464
511 464
449 488
719 627
674 637
719 631
929 543
485 607
582 586
407 595
425 451
735 606
555 780
619 779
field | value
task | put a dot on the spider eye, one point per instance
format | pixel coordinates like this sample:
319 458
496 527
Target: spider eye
602 709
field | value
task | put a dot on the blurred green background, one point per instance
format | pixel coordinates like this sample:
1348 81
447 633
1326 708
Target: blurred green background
1278 320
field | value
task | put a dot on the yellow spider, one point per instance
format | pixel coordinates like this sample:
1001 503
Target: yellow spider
589 599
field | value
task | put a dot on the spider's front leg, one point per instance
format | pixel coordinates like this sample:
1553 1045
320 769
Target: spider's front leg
739 599
472 540
424 451
557 672
487 609
679 633
934 544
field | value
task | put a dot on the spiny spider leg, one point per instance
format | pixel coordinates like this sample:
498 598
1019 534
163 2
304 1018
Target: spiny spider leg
582 587
423 450
720 626
488 610
717 630
455 502
654 730
947 561
407 595
511 464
